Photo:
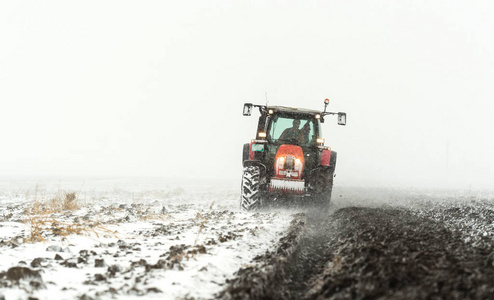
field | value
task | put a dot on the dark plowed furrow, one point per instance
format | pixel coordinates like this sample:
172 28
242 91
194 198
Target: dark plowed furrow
369 253
391 253
256 282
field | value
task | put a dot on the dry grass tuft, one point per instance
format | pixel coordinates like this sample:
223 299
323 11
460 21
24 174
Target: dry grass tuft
156 216
36 225
43 219
62 202
205 219
70 202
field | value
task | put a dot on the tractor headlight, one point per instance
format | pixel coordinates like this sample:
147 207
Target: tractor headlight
280 165
262 134
298 166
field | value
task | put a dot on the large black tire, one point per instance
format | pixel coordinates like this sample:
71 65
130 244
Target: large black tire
332 162
250 198
323 182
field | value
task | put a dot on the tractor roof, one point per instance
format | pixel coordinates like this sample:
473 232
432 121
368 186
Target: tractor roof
294 110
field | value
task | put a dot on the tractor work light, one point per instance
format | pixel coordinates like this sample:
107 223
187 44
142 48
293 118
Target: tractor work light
318 116
320 141
262 134
270 111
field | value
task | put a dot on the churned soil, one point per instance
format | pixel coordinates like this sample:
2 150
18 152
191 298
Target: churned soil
379 253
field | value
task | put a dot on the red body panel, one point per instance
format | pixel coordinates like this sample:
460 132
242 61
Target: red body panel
325 157
292 150
251 153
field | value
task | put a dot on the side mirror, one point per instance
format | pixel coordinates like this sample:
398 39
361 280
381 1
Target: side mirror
341 118
247 109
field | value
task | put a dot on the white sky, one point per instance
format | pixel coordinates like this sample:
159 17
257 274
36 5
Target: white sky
156 88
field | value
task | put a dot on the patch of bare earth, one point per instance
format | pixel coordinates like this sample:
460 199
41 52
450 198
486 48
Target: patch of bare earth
370 253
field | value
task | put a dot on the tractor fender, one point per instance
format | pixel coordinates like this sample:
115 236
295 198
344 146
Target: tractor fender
325 169
325 157
245 152
332 161
328 158
249 163
330 168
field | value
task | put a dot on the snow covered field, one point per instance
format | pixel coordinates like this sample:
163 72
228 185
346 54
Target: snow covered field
150 238
127 239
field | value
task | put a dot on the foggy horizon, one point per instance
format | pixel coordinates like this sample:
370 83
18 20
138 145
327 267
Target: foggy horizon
128 89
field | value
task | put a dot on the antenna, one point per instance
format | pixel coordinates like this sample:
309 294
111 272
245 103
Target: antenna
266 93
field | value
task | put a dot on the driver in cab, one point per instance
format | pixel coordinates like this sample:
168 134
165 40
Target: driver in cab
293 133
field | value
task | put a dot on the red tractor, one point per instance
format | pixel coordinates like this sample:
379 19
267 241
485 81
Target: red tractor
288 158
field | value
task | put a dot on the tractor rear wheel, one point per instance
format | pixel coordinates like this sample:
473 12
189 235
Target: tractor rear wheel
323 183
327 177
251 196
324 188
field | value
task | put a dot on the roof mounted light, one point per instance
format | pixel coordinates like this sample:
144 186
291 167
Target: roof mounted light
318 116
270 111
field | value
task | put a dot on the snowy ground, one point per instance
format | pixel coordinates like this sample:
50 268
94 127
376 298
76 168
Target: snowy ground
140 239
136 238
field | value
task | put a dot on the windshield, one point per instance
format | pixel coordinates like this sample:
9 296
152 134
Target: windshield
293 130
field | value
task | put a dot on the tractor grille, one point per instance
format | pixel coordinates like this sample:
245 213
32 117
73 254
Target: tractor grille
287 186
289 162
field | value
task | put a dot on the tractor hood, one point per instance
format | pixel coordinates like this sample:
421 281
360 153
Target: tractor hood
289 162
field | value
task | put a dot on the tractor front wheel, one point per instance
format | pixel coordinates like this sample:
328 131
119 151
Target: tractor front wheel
251 197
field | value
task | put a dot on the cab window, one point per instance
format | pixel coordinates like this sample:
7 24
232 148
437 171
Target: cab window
283 130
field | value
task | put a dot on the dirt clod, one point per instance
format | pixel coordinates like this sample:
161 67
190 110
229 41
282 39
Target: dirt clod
39 262
99 263
58 257
17 273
